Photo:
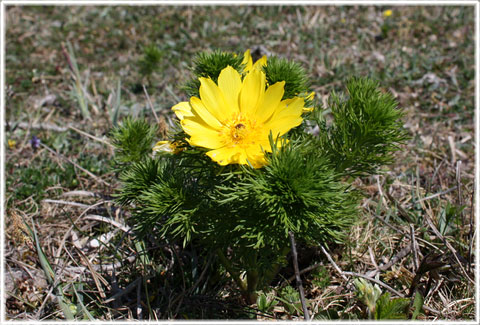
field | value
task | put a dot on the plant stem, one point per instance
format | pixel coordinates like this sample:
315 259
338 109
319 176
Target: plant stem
233 273
272 272
297 276
252 279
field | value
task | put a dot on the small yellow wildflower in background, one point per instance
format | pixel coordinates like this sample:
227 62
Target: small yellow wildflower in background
387 13
12 143
235 117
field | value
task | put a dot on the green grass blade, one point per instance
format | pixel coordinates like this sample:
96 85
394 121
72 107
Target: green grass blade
49 273
77 85
116 107
417 304
84 309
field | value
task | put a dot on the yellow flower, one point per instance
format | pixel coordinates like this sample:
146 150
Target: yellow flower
387 13
248 61
12 143
234 118
166 146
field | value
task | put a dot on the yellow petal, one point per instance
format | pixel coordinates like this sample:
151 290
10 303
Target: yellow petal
253 91
247 60
272 98
281 126
287 116
212 98
182 109
230 84
224 156
294 106
195 126
260 63
207 139
255 156
200 110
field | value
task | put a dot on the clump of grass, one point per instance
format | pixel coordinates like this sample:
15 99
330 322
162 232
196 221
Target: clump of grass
434 83
151 61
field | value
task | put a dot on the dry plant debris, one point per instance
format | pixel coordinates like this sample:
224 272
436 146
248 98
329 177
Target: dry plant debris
418 227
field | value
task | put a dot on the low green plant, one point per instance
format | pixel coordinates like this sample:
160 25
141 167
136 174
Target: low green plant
381 306
151 61
266 303
242 203
321 278
290 299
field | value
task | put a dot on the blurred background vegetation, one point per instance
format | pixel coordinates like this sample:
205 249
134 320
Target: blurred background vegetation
73 72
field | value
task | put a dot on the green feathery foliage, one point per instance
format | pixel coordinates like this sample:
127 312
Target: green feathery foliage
209 65
366 129
295 77
296 191
139 177
169 204
133 141
249 212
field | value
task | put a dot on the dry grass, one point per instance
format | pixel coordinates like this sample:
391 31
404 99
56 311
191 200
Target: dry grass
423 55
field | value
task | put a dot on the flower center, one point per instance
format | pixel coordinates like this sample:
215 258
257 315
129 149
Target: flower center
238 132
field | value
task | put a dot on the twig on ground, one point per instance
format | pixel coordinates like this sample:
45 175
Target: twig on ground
404 252
75 164
56 128
436 171
401 210
96 277
80 193
305 270
388 225
340 272
108 220
372 257
451 142
150 104
414 247
123 292
91 136
76 204
297 276
44 302
42 126
436 194
380 191
386 286
432 292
